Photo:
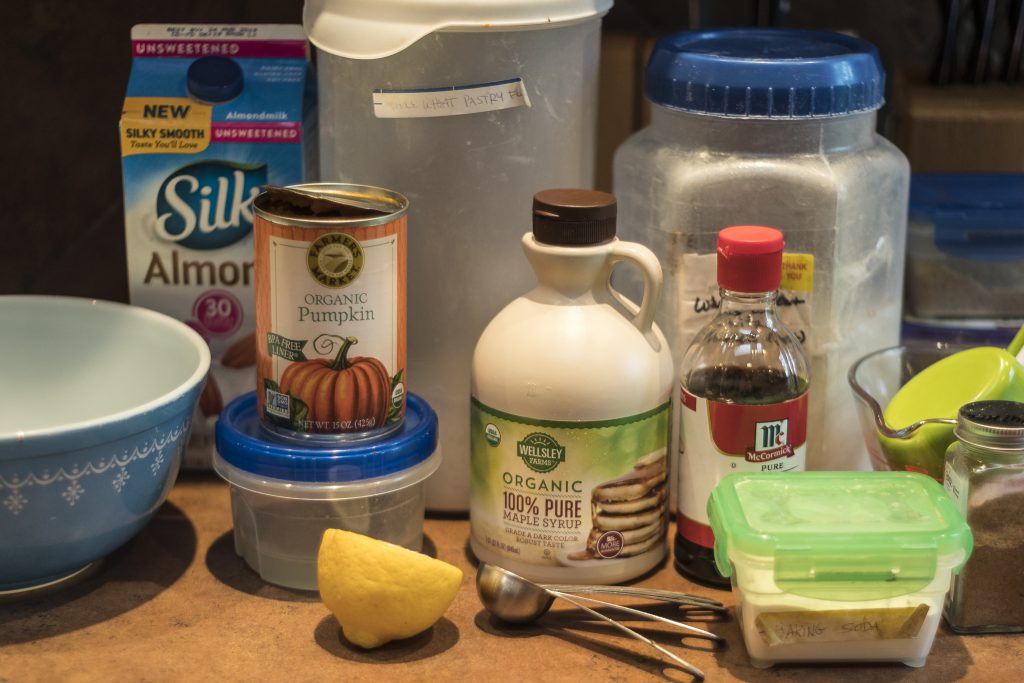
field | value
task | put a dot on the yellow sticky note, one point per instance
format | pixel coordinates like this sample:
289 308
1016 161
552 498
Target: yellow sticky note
798 272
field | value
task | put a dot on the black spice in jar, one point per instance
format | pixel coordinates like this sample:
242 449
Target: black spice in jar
985 476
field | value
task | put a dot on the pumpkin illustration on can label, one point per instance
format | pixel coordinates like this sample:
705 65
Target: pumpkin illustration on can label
330 310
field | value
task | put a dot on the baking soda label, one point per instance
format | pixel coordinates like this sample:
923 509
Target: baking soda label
722 438
557 493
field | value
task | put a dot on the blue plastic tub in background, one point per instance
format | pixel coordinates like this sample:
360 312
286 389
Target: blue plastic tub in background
965 246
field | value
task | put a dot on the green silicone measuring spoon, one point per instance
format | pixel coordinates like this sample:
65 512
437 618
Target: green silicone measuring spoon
924 410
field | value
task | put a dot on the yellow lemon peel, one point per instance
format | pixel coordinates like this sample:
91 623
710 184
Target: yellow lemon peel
379 591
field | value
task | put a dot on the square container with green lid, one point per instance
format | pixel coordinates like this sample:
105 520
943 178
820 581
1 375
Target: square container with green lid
838 566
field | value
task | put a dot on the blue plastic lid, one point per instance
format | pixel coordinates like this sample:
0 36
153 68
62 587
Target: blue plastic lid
977 216
214 79
957 334
765 72
243 443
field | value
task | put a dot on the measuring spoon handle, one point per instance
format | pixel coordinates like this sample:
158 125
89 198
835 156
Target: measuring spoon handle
651 617
632 591
627 630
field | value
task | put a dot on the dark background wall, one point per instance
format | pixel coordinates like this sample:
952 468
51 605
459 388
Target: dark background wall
66 63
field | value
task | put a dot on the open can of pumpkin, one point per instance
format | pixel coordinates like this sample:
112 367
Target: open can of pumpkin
330 263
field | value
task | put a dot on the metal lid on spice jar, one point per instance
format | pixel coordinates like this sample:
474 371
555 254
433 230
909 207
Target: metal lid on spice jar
765 73
995 425
571 217
244 444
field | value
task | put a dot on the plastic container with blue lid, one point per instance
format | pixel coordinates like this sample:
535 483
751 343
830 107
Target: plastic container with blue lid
775 127
284 496
965 245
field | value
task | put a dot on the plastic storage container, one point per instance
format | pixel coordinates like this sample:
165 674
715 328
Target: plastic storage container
775 127
965 246
838 566
284 496
467 109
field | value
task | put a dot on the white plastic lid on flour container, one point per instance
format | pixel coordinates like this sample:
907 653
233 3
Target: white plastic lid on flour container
372 29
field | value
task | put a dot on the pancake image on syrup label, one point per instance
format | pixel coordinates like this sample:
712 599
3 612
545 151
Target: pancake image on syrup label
564 493
627 512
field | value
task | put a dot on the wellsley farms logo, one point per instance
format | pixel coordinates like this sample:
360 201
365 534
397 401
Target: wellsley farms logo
208 204
540 452
771 442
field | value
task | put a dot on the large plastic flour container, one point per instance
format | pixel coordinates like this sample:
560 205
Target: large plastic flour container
467 109
775 127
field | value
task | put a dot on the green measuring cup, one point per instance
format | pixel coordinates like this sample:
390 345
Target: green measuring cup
918 422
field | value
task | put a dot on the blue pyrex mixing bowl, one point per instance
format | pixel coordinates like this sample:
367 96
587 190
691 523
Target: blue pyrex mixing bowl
97 405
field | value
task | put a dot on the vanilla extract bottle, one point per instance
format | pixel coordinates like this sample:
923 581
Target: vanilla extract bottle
743 392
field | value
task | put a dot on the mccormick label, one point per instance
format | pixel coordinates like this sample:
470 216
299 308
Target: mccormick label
722 438
212 113
555 493
331 310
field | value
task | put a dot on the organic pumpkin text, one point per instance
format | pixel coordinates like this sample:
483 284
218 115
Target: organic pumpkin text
335 308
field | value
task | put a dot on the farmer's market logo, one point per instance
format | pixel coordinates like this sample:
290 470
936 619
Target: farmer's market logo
540 452
335 259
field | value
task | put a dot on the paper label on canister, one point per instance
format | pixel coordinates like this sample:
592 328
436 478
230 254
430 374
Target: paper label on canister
331 326
699 298
840 625
455 100
568 493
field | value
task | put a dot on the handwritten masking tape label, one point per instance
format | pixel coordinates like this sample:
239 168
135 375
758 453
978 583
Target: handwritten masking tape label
164 125
798 272
834 626
450 101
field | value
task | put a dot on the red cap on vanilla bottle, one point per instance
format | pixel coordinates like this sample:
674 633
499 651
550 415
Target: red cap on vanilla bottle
750 258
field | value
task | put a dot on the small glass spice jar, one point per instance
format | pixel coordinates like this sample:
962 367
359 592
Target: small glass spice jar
985 477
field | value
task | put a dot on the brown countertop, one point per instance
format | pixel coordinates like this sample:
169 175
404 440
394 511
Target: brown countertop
176 603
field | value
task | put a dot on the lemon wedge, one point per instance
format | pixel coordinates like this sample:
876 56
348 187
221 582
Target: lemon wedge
379 591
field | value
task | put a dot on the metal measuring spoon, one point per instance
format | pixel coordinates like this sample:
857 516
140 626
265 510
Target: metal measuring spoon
512 598
684 601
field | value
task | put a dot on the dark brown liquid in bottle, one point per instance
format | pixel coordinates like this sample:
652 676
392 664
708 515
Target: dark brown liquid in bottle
730 384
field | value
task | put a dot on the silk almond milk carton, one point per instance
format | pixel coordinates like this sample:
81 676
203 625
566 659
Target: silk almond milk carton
212 113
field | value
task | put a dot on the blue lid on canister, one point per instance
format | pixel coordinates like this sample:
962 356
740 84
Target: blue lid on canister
243 443
765 73
214 79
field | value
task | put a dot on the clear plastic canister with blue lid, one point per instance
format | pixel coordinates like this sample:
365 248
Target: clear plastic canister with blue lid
775 127
285 495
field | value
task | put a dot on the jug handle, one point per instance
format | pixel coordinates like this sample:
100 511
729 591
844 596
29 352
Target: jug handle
645 260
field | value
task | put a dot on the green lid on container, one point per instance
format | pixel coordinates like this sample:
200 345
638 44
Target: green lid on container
839 535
